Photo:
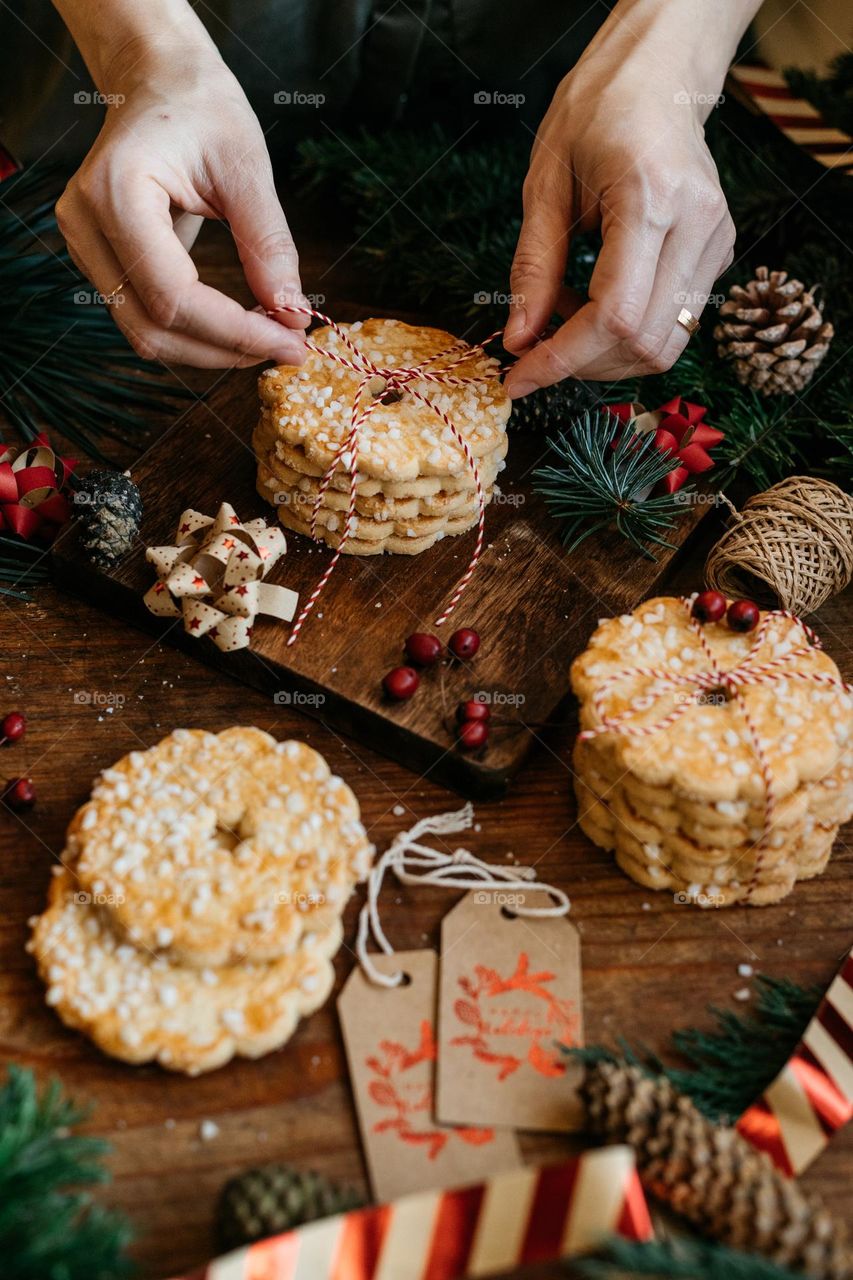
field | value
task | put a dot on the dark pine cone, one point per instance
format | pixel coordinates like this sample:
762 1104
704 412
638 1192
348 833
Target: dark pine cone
554 406
109 511
276 1198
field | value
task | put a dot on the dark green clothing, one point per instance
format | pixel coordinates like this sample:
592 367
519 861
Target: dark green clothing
307 65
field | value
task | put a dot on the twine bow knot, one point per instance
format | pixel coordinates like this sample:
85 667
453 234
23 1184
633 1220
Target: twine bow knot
393 383
714 678
414 863
213 577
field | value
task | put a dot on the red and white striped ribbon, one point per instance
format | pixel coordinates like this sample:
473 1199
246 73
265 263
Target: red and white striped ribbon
812 1097
800 122
394 380
732 681
520 1217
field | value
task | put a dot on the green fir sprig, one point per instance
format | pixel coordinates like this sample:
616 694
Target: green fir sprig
681 1259
49 1228
63 363
604 477
832 94
731 1065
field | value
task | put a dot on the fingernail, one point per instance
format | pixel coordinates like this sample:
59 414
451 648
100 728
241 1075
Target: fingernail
516 389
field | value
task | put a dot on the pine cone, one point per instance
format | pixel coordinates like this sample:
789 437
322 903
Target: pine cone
276 1198
774 332
109 512
712 1175
554 406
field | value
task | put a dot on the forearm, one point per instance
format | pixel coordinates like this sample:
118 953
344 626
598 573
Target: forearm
692 40
116 37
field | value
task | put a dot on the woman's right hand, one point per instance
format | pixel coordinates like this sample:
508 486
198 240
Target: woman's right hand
180 143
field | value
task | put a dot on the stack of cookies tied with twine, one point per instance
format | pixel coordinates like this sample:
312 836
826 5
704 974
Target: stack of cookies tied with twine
198 905
414 483
715 764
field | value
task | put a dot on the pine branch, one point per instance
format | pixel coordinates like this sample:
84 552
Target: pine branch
730 1066
831 94
47 1231
607 474
682 1259
63 363
22 565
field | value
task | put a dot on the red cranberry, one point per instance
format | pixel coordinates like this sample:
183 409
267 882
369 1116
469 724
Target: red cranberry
743 615
19 793
423 649
709 606
401 683
473 734
464 643
14 726
473 709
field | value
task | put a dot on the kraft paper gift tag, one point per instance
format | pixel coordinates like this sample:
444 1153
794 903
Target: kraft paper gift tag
509 997
389 1035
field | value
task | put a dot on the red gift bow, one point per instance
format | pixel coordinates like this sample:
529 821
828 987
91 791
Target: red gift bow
31 479
680 431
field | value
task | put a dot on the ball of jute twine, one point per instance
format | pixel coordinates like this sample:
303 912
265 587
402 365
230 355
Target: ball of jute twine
795 539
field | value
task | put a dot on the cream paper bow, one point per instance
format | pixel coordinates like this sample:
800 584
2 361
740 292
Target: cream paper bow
213 577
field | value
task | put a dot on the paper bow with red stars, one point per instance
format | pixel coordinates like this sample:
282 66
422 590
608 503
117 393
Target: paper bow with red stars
32 477
680 431
213 577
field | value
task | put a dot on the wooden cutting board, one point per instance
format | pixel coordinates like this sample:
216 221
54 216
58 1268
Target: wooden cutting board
533 604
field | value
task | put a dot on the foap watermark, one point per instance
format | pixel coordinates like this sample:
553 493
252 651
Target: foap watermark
499 698
315 300
84 899
499 898
502 499
92 97
299 899
483 298
696 301
694 98
297 98
497 98
692 498
288 698
696 897
99 698
91 298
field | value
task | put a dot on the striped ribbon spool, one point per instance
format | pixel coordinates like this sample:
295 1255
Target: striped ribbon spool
519 1217
801 123
394 381
697 683
812 1097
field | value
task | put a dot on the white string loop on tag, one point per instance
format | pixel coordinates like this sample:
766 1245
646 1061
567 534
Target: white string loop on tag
414 863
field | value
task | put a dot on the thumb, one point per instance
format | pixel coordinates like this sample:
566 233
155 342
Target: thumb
265 245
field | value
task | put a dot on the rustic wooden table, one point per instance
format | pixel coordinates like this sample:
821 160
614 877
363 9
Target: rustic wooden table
649 965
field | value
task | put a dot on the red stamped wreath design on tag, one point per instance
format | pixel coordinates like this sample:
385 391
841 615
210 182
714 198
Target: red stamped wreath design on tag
541 1020
409 1098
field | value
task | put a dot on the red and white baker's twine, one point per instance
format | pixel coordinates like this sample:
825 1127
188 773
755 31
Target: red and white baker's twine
732 682
395 380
